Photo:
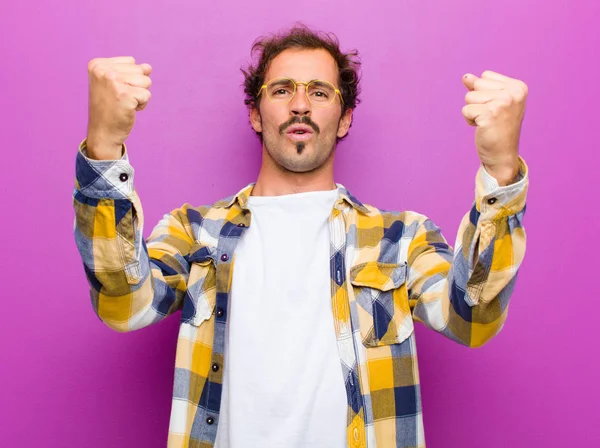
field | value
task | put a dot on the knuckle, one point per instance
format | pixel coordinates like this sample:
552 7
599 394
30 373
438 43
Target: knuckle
519 95
122 92
507 99
111 75
129 59
92 64
96 68
524 89
495 109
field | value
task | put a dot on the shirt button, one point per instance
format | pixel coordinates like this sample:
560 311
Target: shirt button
491 201
123 177
220 312
224 257
210 420
215 367
241 224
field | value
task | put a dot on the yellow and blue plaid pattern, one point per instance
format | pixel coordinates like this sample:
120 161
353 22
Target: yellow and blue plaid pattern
387 271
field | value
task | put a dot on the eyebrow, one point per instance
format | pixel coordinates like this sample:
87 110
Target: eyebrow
282 81
319 82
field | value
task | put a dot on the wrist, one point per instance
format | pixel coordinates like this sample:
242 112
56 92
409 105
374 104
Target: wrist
99 148
504 174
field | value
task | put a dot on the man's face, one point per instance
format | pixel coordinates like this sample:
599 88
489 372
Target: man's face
299 136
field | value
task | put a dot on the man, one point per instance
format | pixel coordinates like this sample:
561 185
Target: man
309 341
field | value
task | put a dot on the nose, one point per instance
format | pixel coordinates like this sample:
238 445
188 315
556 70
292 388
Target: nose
300 104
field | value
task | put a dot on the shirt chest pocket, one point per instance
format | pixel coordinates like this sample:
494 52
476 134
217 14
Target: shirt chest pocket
381 296
200 298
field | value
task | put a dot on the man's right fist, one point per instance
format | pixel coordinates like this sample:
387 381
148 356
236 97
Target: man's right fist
118 87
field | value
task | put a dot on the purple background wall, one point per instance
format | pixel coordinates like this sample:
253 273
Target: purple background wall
67 380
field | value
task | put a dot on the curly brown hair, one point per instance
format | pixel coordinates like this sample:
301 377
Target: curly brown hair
300 36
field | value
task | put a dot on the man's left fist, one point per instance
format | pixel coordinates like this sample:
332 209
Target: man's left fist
496 106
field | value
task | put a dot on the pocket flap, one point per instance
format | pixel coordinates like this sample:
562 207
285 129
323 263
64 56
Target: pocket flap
381 293
200 299
382 276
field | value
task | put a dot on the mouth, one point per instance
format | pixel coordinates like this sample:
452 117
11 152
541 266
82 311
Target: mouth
299 133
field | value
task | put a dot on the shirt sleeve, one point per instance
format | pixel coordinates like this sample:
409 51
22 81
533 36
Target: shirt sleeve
104 179
464 293
488 192
133 282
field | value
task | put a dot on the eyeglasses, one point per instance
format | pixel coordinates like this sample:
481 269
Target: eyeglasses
319 93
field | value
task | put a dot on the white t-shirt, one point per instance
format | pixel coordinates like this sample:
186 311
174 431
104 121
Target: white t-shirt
283 384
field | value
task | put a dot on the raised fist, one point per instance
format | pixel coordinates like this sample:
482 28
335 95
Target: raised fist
118 87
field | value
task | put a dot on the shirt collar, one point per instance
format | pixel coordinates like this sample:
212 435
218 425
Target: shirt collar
241 198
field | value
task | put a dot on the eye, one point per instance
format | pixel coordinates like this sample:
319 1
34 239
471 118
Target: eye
321 92
281 90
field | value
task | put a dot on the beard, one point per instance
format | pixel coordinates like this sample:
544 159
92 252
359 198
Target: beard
303 159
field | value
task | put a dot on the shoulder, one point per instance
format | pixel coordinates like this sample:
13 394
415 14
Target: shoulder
387 218
218 211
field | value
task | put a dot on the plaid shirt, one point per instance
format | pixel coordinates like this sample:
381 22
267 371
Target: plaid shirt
387 269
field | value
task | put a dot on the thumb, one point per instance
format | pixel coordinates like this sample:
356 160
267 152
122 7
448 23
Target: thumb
147 68
469 81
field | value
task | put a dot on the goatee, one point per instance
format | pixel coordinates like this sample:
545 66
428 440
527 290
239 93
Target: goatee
300 147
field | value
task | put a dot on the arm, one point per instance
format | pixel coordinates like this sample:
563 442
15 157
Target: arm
464 294
133 283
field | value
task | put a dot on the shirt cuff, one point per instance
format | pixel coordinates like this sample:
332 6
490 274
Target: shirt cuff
495 202
103 179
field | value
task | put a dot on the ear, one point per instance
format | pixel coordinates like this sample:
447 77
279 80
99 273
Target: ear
345 123
255 119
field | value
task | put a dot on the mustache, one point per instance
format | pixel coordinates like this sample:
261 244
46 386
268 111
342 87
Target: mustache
299 120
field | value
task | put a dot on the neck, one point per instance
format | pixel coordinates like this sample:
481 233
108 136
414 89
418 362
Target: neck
273 180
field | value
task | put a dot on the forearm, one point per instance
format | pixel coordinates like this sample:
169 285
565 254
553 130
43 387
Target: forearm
464 293
129 288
